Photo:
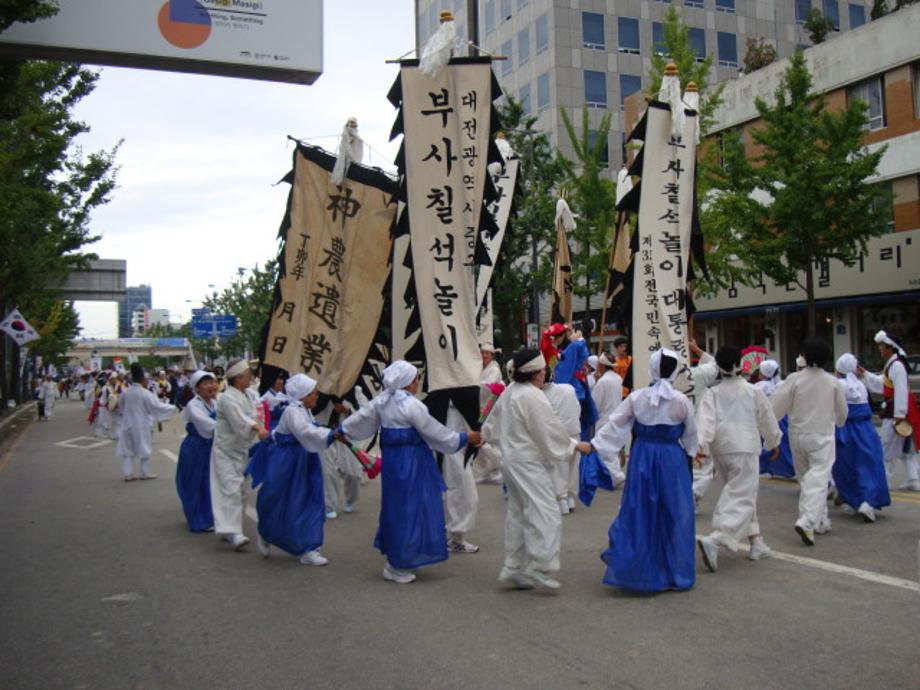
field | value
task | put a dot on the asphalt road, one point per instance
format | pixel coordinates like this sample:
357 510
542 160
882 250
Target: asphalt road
102 586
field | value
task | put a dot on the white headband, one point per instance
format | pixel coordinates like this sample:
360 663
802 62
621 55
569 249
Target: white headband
199 376
237 369
538 363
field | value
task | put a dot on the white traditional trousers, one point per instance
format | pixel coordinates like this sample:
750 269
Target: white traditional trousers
533 523
813 456
735 514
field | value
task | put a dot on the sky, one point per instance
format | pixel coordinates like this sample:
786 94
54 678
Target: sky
196 196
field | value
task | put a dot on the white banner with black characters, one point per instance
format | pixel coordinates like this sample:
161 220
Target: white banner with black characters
333 268
659 311
447 126
504 178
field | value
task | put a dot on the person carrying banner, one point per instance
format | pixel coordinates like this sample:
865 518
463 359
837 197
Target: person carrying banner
532 441
139 409
236 430
900 410
732 418
290 501
411 531
859 468
815 403
783 466
652 540
193 473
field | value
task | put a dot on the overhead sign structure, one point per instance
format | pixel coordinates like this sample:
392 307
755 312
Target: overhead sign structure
214 326
275 40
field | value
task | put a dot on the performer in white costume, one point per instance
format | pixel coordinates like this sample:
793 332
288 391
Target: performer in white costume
139 409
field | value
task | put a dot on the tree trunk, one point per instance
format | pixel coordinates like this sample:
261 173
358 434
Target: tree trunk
810 296
4 350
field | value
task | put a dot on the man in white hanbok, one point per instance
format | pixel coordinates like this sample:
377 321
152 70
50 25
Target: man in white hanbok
489 458
815 403
564 401
608 394
48 393
236 430
705 374
731 419
461 500
138 409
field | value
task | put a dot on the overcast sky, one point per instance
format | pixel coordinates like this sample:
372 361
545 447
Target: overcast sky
195 197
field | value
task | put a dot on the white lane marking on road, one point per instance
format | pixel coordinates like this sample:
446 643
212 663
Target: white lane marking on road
84 442
250 511
867 575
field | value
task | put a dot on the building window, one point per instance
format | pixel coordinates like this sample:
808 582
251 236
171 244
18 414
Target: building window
595 89
658 44
832 13
506 10
915 78
857 15
727 6
802 9
542 31
524 99
694 3
872 92
628 40
884 206
698 43
629 84
523 46
593 136
543 92
592 31
489 16
507 65
728 49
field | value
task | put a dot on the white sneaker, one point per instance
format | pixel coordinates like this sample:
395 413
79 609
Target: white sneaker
912 485
331 515
571 502
867 512
264 547
759 549
542 579
461 546
618 478
400 577
515 577
313 558
824 526
348 508
563 506
709 550
238 541
849 510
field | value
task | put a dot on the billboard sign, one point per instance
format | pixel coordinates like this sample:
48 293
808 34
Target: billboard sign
275 40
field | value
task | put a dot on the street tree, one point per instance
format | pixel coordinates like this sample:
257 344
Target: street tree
805 198
525 263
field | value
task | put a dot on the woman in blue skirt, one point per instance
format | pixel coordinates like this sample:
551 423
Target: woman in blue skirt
290 502
411 532
193 474
859 468
652 539
781 466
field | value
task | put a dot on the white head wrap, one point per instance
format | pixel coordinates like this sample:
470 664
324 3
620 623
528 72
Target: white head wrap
198 376
299 386
769 373
800 362
399 375
592 361
882 337
237 368
661 388
605 360
486 347
538 363
847 365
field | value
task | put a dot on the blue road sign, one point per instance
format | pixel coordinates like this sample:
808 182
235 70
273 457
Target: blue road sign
201 311
214 326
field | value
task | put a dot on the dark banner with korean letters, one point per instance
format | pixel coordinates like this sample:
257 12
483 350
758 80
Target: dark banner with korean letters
334 266
504 178
659 312
447 145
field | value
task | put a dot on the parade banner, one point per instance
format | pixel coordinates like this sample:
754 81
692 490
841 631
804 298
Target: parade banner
504 178
562 275
659 309
333 267
447 126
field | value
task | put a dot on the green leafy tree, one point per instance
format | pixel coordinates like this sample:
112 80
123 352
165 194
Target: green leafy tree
759 53
805 199
592 196
525 261
48 186
880 7
250 300
818 26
